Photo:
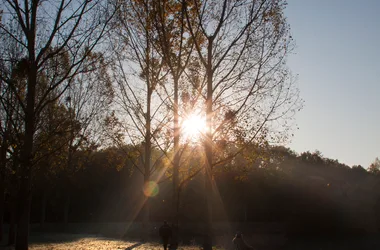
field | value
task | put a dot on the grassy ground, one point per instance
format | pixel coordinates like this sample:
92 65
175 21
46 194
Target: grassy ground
87 242
60 241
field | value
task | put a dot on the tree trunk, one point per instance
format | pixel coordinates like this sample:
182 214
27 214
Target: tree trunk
22 236
66 208
245 212
43 208
148 155
3 156
12 207
146 206
2 208
148 135
12 232
208 148
175 227
24 196
175 212
207 245
146 209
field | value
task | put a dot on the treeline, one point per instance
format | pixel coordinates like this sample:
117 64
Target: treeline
307 193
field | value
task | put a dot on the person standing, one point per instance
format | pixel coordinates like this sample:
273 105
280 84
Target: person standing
240 243
165 232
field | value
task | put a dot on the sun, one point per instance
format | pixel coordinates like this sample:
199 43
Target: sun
193 127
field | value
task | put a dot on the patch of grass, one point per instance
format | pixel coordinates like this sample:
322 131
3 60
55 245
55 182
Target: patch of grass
88 242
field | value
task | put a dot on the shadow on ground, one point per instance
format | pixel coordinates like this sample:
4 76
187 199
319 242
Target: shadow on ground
134 246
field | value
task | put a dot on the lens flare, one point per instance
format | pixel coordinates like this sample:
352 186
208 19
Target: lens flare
151 189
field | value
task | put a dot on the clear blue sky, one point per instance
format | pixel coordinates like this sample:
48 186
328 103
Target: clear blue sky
337 58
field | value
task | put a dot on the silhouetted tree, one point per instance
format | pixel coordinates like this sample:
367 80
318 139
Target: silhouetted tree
73 29
139 75
247 84
374 168
176 46
88 100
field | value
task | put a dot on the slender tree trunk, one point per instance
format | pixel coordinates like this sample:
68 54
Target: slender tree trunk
207 245
148 135
175 213
67 182
147 164
22 235
146 214
148 154
43 208
146 209
24 196
12 206
208 148
2 207
3 155
66 208
245 212
175 229
12 231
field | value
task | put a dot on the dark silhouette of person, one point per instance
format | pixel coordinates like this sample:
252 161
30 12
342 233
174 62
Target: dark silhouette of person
239 243
165 232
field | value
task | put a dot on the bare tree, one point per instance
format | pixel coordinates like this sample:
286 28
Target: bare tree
176 48
88 99
139 75
47 32
10 112
51 141
6 119
250 95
